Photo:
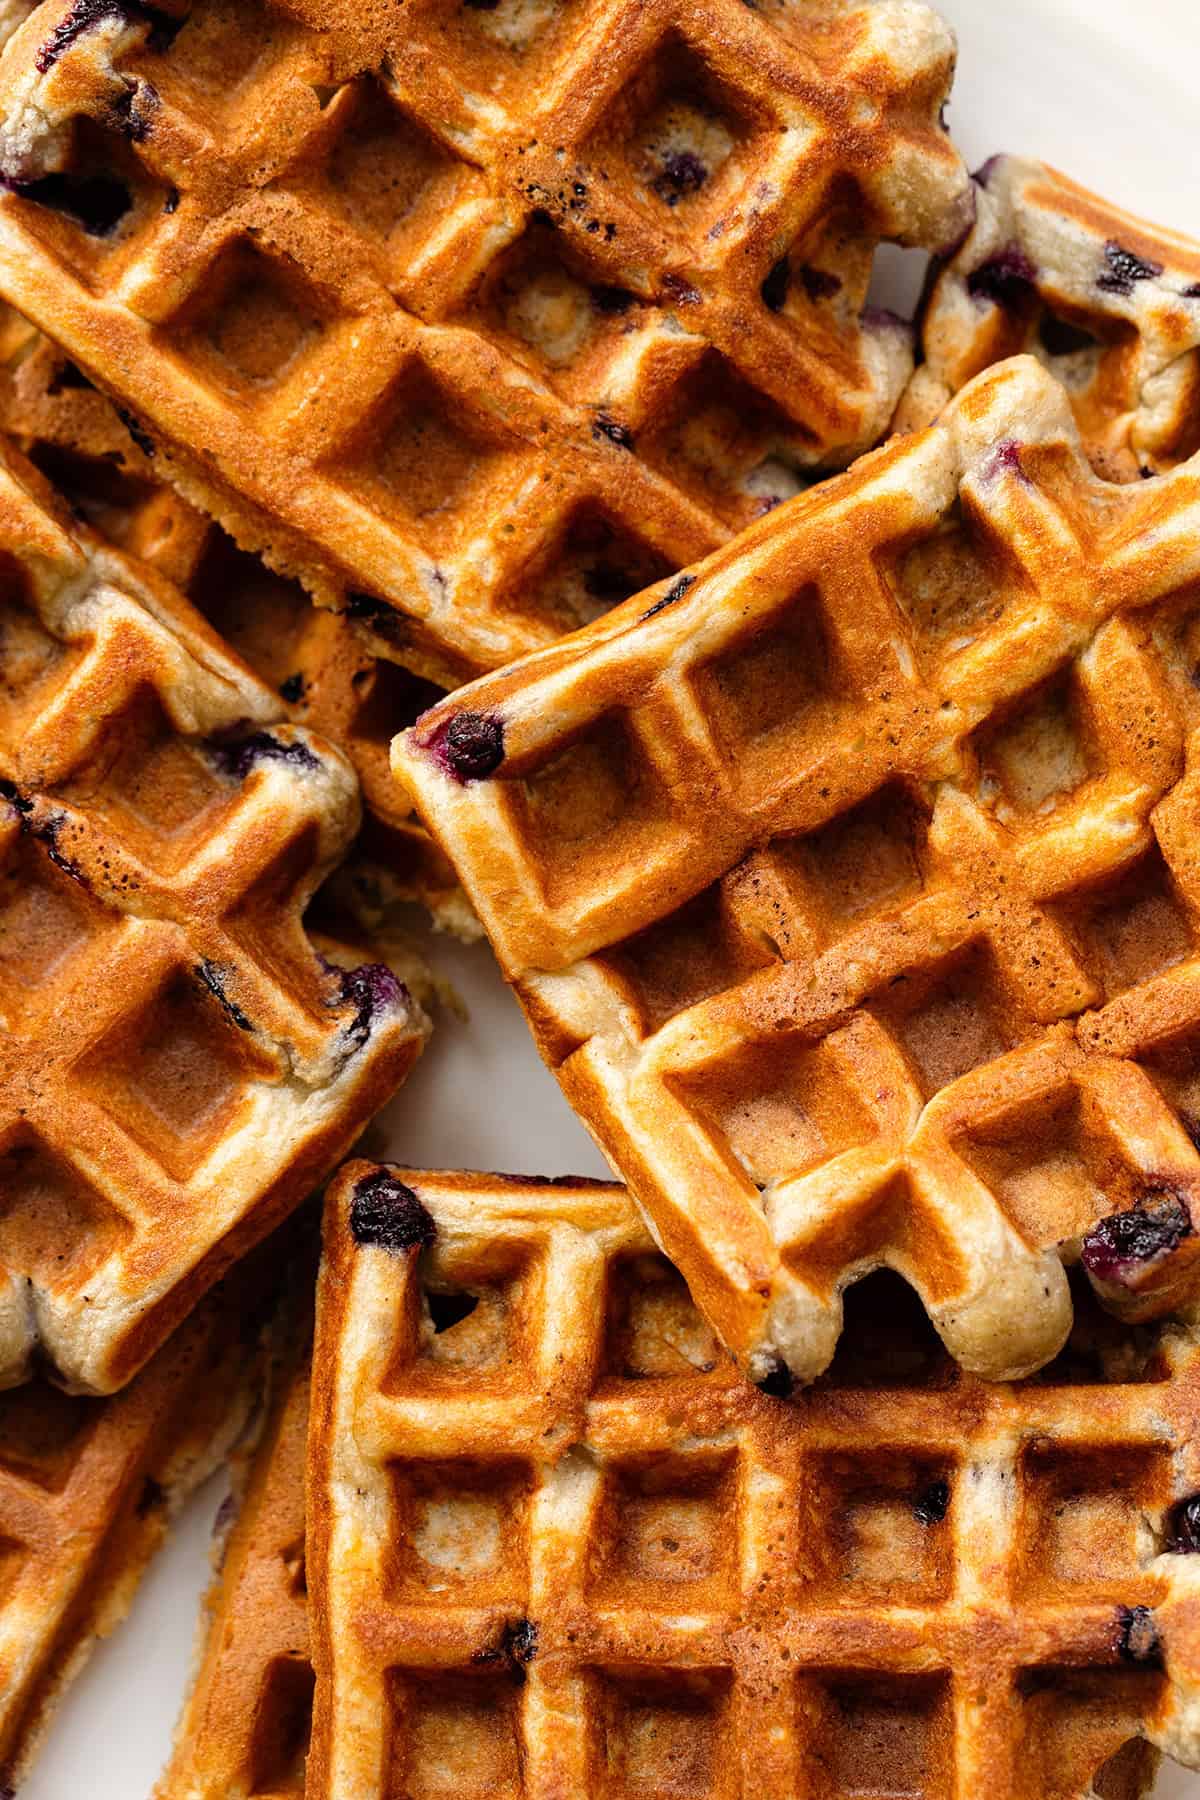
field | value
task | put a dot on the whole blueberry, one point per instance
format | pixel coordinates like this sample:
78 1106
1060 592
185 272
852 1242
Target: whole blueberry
472 745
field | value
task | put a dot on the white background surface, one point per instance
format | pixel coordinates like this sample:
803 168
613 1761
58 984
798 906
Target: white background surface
1107 91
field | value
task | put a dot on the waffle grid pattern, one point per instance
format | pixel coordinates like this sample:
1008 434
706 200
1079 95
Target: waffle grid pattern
850 887
178 1066
1108 303
563 1548
317 664
493 355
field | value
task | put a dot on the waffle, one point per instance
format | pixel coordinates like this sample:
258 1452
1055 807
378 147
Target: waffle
244 1731
178 1066
848 883
317 662
556 1546
478 319
88 1490
1109 303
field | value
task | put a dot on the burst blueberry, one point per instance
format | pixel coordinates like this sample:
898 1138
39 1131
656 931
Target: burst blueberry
387 1215
1121 1245
1005 279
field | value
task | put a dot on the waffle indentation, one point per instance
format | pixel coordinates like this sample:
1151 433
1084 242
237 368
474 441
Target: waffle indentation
386 174
424 454
726 443
43 1431
878 1529
778 692
662 1732
599 799
255 323
680 133
282 1729
781 1107
177 1083
1084 1517
699 951
456 1736
53 1221
655 1331
667 1533
878 1734
46 919
461 1532
950 1019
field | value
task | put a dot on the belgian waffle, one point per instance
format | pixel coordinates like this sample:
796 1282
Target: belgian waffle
318 664
479 318
244 1731
178 1065
849 883
556 1546
1109 303
88 1489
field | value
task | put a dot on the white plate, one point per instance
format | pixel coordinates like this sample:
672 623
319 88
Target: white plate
1107 92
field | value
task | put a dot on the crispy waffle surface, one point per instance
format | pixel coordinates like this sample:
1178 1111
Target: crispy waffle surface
1109 303
88 1490
244 1731
319 665
479 318
558 1546
849 884
180 1065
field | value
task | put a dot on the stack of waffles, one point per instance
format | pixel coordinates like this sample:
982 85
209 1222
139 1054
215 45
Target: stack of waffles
450 460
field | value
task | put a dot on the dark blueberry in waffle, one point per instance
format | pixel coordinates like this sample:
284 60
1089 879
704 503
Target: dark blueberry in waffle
389 1216
682 173
371 988
778 1381
1005 279
1183 1527
1126 1242
1137 1639
237 759
932 1503
1124 269
471 745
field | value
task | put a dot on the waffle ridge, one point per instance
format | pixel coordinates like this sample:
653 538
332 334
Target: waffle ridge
848 887
563 1548
179 1063
1108 302
489 319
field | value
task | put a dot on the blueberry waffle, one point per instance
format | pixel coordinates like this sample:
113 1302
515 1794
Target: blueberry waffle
479 318
1109 303
244 1731
557 1546
319 665
88 1491
178 1065
850 884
